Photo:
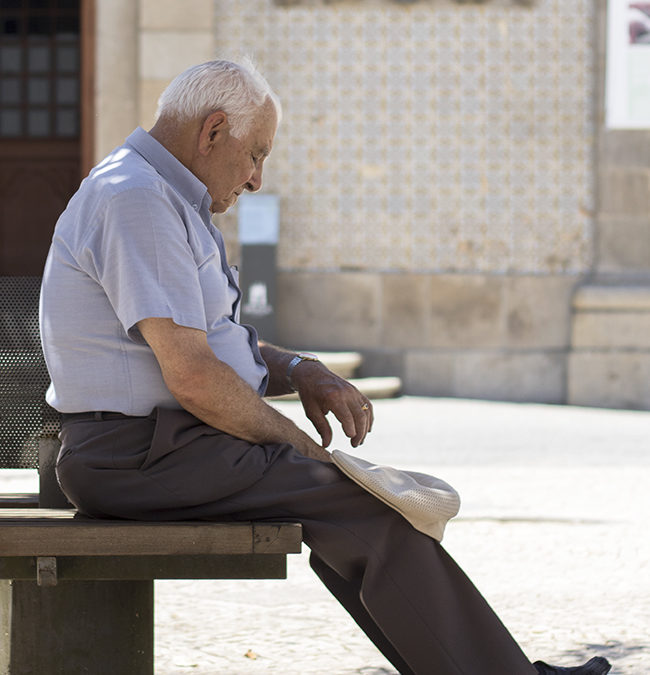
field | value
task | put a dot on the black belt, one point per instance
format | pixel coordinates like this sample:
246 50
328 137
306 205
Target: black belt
98 416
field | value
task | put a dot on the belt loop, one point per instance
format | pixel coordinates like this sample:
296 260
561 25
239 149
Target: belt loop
98 416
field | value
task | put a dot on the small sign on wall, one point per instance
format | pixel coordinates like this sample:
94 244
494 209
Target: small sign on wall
628 65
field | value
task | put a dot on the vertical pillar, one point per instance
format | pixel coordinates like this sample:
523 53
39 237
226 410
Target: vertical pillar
116 73
259 217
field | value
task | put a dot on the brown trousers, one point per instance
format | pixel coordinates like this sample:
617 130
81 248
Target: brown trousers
400 586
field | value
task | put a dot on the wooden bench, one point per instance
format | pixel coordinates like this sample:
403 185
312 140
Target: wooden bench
76 593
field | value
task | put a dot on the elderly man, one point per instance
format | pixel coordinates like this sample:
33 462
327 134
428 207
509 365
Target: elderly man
160 387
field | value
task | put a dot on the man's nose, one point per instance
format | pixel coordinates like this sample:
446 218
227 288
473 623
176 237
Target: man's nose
255 181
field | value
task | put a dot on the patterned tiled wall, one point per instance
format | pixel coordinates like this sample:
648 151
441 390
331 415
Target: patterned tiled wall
428 137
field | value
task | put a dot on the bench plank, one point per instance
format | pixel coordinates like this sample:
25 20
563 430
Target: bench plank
61 532
135 568
21 500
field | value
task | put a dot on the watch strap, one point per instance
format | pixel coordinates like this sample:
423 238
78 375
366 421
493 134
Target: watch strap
298 358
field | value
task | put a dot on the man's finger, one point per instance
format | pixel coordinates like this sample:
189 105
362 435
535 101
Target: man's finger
348 420
354 420
371 415
361 420
321 424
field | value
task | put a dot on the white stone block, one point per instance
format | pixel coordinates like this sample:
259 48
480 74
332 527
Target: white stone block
176 14
116 81
615 380
516 376
612 298
611 330
429 373
537 311
165 54
329 311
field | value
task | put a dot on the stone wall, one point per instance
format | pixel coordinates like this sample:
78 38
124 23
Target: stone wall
428 138
501 337
435 166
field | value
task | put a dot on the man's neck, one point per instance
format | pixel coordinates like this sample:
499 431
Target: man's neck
177 138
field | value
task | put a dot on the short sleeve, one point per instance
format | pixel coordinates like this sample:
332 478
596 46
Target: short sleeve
140 254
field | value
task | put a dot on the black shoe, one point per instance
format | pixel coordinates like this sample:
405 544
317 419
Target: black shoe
596 666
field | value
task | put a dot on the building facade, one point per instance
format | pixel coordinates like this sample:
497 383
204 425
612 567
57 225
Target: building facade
452 205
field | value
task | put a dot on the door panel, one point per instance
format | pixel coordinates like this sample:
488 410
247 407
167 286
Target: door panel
39 126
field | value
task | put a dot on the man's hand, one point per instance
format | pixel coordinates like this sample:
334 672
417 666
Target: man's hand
321 392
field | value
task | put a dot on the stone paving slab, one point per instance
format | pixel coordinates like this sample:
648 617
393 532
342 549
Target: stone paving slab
567 587
553 529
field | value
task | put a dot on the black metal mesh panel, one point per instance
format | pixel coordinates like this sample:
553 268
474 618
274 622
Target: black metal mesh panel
24 416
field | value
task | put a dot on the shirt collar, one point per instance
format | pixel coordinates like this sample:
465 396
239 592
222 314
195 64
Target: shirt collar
175 173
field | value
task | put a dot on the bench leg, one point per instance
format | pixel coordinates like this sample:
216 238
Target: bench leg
95 627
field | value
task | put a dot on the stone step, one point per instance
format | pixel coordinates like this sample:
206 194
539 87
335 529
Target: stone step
378 387
609 361
611 318
345 364
612 298
372 387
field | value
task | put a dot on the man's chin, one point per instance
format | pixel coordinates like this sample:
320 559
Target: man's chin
223 205
220 207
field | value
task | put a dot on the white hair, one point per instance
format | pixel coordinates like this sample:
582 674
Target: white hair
238 89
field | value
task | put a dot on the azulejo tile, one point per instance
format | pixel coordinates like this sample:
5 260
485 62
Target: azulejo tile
442 137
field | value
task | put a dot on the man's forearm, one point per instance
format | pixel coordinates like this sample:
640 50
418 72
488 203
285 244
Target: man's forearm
223 400
212 391
277 361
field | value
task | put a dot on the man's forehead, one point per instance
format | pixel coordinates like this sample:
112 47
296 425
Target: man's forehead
266 127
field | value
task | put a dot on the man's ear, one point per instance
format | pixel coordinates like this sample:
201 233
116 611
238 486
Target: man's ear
213 129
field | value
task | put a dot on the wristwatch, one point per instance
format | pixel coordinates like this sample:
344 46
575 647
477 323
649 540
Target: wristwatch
298 358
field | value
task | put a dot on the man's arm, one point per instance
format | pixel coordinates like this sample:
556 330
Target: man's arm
321 392
212 391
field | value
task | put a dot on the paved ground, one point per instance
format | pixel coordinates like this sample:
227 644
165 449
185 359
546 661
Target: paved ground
553 529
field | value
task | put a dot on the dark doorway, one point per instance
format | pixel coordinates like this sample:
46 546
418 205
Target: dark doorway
40 123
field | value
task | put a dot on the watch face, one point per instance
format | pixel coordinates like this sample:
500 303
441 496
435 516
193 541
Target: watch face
308 356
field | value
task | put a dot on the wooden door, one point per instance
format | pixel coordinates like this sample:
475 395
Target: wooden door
40 63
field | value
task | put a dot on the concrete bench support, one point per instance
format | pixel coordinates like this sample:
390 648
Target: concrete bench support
94 627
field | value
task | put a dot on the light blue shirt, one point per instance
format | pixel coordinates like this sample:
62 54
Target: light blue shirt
136 241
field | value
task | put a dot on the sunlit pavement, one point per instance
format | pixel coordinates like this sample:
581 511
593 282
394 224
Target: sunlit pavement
553 529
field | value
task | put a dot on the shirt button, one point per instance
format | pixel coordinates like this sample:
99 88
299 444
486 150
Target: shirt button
195 206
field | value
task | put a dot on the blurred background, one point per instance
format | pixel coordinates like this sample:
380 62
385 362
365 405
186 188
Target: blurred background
455 202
